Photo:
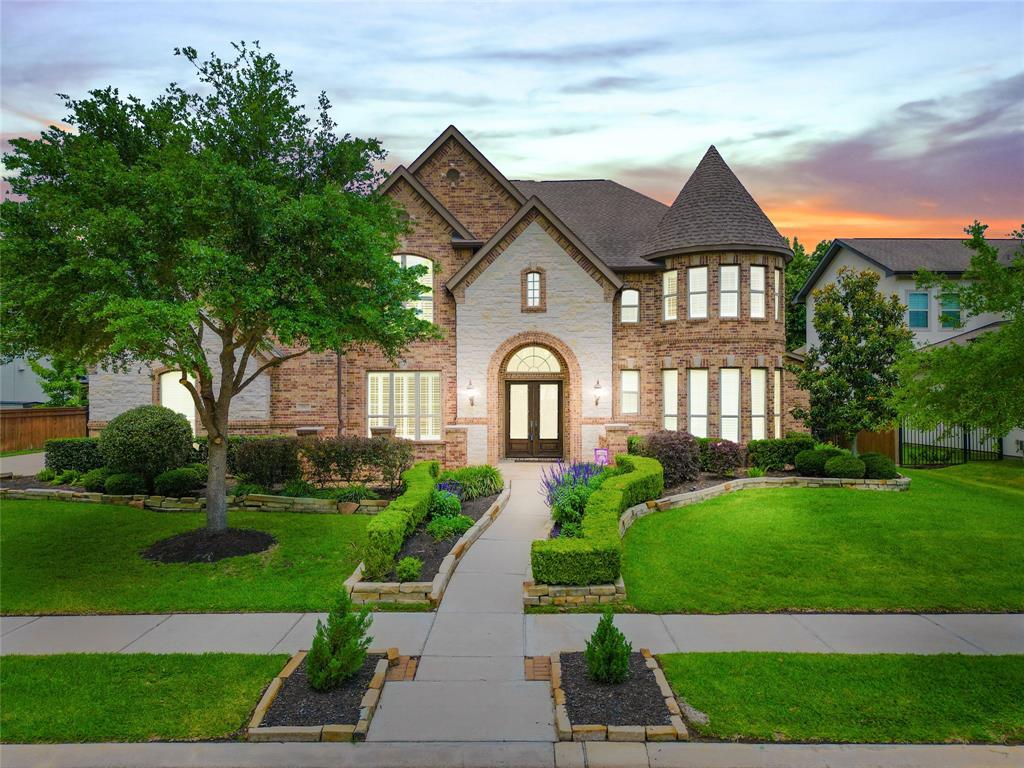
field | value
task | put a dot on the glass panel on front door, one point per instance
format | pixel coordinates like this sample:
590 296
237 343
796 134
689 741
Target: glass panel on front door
534 419
519 411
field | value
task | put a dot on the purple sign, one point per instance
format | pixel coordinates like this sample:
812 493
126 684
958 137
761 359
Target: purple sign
601 456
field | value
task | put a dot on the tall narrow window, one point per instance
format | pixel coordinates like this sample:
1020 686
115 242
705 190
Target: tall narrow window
630 392
777 402
670 398
917 309
409 401
533 298
729 291
729 393
697 292
757 292
533 289
758 392
669 295
424 305
949 310
777 293
697 401
630 308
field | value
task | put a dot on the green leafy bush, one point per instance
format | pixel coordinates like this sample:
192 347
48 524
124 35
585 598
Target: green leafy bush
338 649
356 493
95 480
608 652
756 472
724 457
67 477
298 488
449 526
678 454
244 489
78 453
386 531
476 481
444 504
595 557
878 467
636 445
125 484
147 441
776 454
812 463
177 482
388 459
201 469
570 530
409 569
45 475
799 441
570 500
269 461
845 466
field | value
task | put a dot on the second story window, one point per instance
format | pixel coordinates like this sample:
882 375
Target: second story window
630 308
670 295
533 289
757 292
777 294
424 305
917 310
534 298
949 310
729 291
697 289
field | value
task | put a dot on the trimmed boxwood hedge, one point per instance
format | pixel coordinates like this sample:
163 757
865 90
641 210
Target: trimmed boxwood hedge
387 531
777 453
78 453
595 557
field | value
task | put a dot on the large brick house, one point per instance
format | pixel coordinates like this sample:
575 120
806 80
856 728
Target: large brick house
574 312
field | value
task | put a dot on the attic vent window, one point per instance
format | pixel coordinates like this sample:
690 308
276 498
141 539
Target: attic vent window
452 176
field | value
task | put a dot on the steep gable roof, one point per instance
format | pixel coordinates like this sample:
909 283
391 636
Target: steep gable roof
612 219
403 174
714 212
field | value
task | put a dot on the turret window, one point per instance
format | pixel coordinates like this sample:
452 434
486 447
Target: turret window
697 287
670 295
757 292
729 291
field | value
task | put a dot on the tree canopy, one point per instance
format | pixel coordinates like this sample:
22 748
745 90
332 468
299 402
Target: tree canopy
798 270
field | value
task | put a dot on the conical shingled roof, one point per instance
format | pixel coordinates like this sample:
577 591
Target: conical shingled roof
714 212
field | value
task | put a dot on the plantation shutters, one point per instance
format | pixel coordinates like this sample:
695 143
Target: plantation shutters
758 392
670 295
670 398
729 391
409 401
757 280
777 402
697 400
630 392
697 292
729 291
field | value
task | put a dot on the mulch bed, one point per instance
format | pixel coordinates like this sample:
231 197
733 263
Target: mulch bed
203 546
422 545
298 704
706 480
638 701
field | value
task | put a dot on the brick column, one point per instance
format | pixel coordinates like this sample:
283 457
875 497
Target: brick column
615 439
455 446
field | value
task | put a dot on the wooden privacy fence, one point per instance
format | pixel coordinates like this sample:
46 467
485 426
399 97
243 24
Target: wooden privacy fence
22 428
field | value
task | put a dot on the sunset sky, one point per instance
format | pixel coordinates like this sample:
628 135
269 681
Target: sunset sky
851 119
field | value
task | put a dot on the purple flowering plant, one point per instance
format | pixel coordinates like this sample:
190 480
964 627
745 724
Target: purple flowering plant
454 487
553 478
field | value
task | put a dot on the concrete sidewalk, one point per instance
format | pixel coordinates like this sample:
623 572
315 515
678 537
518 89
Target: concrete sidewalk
24 464
508 755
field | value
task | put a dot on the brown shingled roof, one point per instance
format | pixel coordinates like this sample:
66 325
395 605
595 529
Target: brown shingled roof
714 212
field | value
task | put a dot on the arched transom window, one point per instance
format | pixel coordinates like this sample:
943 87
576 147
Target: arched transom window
424 306
534 360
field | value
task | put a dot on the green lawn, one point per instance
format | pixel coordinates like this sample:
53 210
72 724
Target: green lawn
851 697
953 542
19 452
63 557
133 697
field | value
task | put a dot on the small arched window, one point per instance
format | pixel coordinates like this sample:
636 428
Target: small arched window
424 305
630 306
534 360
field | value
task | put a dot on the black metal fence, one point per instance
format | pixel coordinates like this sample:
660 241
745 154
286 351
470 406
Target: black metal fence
947 445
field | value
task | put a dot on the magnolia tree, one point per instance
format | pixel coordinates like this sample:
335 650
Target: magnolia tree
217 231
850 374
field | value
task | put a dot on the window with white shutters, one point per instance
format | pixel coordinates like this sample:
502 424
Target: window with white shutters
729 393
697 401
758 393
757 291
729 291
409 401
670 398
697 292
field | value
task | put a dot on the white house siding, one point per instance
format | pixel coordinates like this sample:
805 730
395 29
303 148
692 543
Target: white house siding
577 314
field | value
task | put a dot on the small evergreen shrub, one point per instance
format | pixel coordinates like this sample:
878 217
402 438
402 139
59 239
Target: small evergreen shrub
338 649
177 482
798 441
570 530
356 493
755 472
201 469
636 445
45 475
811 463
608 652
845 466
678 454
95 480
125 484
269 461
244 489
724 458
388 459
78 453
449 526
476 481
146 441
570 502
878 466
444 504
297 488
67 477
409 569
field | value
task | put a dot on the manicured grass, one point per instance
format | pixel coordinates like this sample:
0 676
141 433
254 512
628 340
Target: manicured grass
20 452
953 542
63 557
852 698
133 697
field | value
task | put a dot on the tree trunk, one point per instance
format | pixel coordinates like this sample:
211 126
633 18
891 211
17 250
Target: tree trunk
853 443
216 484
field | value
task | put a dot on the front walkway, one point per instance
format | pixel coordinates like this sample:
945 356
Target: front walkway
24 464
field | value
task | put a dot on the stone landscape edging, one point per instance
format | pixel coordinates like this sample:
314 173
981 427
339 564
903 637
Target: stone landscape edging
330 731
425 592
566 731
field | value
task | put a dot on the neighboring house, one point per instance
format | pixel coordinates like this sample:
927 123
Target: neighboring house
19 385
933 316
574 313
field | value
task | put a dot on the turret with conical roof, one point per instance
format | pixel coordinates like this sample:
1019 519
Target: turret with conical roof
714 212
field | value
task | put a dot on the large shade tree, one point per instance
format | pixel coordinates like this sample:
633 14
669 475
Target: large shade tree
217 231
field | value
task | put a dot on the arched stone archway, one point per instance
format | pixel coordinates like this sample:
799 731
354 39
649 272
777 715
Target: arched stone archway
571 379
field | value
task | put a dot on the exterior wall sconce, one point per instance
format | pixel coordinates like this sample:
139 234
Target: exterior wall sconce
471 393
597 393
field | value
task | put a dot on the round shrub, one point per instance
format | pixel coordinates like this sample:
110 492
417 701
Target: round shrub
177 482
811 463
125 484
95 480
570 503
244 489
146 441
444 504
724 457
878 467
845 466
678 454
409 569
449 526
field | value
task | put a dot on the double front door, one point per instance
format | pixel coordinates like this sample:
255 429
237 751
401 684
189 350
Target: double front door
534 419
